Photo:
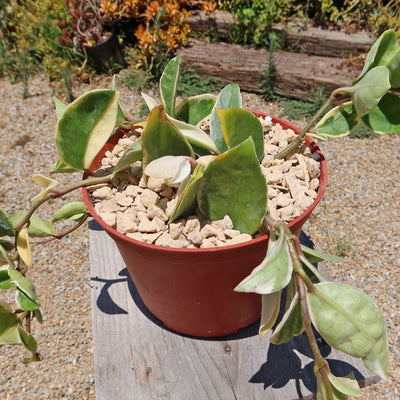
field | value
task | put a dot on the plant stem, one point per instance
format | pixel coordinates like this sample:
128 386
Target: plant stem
296 143
59 193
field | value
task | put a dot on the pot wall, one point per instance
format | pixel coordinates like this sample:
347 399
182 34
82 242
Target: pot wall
191 290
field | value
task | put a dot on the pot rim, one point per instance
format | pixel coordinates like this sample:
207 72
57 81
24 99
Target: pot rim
322 186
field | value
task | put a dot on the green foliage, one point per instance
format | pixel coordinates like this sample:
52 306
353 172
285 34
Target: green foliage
191 84
298 109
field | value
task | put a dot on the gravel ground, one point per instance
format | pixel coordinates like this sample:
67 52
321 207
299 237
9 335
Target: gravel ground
361 180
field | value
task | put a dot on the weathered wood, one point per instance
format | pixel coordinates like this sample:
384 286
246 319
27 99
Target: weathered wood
137 358
297 73
307 39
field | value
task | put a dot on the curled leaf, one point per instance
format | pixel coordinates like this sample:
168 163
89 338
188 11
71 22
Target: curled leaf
23 246
172 168
134 153
48 184
346 384
22 283
269 312
194 109
150 102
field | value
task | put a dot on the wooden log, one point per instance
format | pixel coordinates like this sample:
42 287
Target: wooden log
297 73
299 37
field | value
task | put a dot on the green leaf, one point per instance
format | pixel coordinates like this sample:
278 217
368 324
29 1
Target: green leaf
5 281
291 323
8 325
385 118
234 185
70 211
269 312
194 109
187 198
346 384
238 124
362 330
229 97
133 154
368 91
161 138
384 52
195 135
6 226
5 257
340 121
60 107
169 84
37 228
24 302
28 341
85 126
22 283
6 244
274 272
61 168
315 256
322 392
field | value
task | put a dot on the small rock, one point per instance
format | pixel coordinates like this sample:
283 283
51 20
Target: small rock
148 197
108 218
103 193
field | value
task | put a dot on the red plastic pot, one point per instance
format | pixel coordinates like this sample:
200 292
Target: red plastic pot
191 290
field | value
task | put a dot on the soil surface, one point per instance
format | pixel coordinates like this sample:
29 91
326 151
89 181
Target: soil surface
357 218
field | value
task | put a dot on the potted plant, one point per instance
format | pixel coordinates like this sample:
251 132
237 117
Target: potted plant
227 166
95 35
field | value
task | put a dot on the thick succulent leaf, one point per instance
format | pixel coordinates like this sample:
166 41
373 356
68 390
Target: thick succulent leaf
121 113
315 256
169 84
48 184
23 246
234 185
229 97
28 341
161 138
61 168
340 121
362 330
5 257
70 211
384 52
60 107
38 315
346 384
238 124
174 169
85 126
194 109
322 392
269 312
6 226
6 244
8 325
187 198
37 227
195 135
385 118
367 92
22 283
273 273
133 154
151 103
24 302
5 281
291 323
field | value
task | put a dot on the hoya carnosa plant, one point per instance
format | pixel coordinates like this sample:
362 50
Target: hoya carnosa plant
218 172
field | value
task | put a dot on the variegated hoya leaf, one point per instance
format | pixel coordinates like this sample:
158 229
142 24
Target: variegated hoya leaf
23 246
346 384
174 169
74 210
6 226
362 330
194 109
229 97
340 121
22 283
85 126
274 272
169 84
37 226
269 312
